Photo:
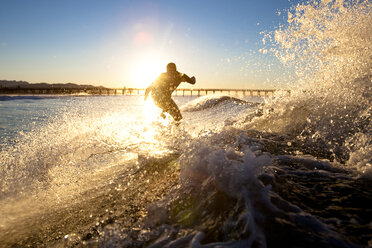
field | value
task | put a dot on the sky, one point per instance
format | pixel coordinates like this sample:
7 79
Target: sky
117 43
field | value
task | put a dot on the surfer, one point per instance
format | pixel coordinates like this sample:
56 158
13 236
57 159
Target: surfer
162 88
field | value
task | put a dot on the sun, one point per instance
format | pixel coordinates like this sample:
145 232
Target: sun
146 70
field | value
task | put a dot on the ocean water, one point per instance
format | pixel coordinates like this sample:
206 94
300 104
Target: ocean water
107 171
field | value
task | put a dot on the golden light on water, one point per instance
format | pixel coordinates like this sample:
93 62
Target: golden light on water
153 129
150 110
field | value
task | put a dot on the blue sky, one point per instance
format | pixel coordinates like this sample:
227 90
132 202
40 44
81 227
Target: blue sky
116 43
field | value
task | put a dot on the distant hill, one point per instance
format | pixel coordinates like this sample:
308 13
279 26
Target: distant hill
23 84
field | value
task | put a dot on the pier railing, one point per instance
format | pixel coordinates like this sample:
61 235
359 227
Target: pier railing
139 91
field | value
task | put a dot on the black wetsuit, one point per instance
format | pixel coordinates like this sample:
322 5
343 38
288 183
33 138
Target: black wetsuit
162 88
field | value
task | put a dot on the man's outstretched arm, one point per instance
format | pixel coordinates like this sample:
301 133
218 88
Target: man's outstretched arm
186 78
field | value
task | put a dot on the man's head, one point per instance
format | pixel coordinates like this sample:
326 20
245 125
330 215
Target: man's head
171 67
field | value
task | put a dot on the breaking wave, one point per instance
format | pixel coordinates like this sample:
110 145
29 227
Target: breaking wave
211 101
328 45
293 172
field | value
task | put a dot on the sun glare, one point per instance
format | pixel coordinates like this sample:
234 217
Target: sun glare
152 113
150 110
145 71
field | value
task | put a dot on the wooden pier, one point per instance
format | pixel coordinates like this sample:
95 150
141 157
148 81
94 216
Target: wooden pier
139 91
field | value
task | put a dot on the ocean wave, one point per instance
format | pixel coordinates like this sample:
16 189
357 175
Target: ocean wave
330 102
206 102
293 173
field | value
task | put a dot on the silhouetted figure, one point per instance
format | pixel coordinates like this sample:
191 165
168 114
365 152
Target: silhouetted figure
162 88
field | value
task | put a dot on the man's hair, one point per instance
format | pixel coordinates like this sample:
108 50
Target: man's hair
171 67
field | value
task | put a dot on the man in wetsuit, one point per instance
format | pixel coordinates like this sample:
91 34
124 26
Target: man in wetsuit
162 88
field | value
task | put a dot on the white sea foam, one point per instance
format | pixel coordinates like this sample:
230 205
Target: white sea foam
328 45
